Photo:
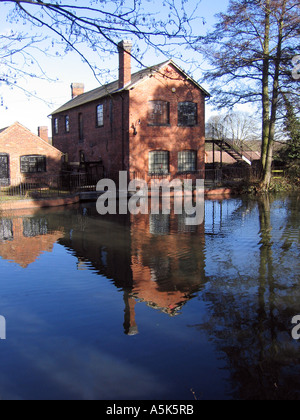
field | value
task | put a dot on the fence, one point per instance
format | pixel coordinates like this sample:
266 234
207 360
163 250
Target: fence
69 183
46 187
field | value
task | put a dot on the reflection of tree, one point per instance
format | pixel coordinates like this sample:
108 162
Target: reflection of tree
291 232
265 314
250 321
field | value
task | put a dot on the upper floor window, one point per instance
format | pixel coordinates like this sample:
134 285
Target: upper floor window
158 113
80 128
187 161
32 164
187 114
100 115
55 125
67 123
159 162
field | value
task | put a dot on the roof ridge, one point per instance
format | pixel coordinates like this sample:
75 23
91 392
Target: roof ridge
17 123
113 87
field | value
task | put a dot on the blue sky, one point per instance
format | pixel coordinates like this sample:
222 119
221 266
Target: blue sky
33 112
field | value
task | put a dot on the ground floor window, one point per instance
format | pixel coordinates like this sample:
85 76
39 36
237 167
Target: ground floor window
187 161
81 156
4 168
159 162
33 164
33 227
6 230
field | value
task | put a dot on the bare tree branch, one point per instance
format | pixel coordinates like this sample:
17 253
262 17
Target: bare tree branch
94 29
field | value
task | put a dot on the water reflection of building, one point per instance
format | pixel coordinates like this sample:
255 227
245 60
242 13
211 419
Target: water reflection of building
167 260
23 239
155 259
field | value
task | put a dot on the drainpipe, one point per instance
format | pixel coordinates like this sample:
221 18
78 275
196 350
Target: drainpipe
123 134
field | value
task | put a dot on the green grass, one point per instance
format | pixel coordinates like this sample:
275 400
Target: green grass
7 195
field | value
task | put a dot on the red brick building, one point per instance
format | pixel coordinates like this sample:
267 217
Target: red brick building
148 123
25 155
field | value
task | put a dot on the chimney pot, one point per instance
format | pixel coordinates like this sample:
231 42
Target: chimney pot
125 48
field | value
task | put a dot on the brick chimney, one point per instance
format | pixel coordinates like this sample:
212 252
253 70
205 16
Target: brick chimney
77 89
124 48
43 133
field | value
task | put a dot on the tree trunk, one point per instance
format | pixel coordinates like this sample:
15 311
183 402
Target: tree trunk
268 167
265 88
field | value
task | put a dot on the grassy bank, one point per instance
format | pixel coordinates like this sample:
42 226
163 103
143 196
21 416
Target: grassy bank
284 184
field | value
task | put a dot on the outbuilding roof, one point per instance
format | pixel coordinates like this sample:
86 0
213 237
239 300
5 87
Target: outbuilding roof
4 131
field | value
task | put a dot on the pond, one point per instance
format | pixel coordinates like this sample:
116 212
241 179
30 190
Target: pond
144 307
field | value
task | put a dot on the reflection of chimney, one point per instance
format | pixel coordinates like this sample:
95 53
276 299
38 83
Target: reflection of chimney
77 89
124 48
43 133
130 327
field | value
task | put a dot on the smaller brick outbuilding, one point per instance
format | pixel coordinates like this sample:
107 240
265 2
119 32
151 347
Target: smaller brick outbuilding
25 155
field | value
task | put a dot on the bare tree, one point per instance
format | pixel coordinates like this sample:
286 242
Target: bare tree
237 126
251 52
90 28
18 56
215 128
241 127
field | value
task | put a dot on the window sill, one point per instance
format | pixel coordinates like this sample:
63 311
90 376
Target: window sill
33 173
187 126
159 125
186 172
158 174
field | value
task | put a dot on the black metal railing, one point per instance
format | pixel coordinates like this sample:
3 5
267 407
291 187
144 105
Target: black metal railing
63 185
69 183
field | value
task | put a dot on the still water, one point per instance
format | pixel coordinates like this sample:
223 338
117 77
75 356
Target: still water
144 307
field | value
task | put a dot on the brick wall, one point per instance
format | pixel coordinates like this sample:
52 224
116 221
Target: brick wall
18 141
170 86
103 143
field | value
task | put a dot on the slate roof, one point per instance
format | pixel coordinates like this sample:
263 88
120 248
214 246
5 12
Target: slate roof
113 87
3 129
